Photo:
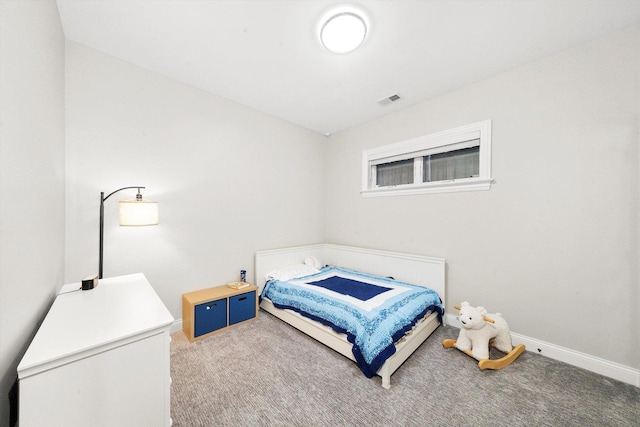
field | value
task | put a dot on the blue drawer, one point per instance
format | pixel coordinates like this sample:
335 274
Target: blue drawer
242 307
210 316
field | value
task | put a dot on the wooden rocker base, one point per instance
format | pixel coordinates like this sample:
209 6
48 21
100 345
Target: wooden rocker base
491 363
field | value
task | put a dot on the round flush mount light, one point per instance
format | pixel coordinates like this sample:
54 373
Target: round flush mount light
343 30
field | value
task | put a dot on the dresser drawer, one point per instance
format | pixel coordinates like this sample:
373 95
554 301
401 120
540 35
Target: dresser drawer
210 316
242 307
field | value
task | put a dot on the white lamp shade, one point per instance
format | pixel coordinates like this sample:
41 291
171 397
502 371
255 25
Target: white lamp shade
138 212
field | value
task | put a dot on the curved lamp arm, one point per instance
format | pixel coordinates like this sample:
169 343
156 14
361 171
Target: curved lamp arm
102 199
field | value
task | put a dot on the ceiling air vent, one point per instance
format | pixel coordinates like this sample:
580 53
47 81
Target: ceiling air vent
389 99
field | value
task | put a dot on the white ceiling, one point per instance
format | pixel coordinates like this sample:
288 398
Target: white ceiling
266 54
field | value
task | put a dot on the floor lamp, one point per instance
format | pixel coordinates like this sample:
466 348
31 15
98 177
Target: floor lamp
136 212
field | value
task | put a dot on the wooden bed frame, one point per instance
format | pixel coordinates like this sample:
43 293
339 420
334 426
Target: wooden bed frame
416 269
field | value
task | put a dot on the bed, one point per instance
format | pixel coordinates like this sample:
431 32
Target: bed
418 270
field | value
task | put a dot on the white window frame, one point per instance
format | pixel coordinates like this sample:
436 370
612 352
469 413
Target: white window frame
416 148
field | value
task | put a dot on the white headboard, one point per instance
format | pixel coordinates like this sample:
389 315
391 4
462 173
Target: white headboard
417 269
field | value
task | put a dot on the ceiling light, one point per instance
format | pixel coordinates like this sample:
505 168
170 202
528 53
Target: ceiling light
343 30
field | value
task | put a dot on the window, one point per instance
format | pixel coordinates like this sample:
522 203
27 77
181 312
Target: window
394 173
453 160
455 164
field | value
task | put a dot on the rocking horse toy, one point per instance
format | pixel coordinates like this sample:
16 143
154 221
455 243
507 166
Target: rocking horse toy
479 331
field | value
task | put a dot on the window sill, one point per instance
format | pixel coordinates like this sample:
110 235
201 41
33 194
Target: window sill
473 184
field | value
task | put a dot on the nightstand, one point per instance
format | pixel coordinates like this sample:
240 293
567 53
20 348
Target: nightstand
209 311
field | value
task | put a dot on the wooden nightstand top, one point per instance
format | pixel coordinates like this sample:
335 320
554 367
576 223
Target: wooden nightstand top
215 293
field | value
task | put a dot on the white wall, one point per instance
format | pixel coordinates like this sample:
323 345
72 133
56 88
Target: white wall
229 180
554 244
31 176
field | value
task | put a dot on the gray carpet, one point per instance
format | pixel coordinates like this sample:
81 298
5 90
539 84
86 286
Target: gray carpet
267 373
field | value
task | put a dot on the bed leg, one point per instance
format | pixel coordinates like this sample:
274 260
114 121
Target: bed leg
386 381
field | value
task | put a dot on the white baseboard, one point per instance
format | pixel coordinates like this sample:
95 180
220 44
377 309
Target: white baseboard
585 361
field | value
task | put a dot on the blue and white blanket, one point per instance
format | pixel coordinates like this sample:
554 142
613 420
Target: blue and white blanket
374 312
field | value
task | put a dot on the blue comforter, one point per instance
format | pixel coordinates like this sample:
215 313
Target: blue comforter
374 312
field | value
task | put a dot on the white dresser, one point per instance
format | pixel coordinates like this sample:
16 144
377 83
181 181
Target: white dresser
100 358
